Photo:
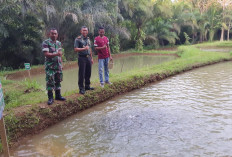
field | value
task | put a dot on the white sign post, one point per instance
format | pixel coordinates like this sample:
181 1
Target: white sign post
28 68
2 125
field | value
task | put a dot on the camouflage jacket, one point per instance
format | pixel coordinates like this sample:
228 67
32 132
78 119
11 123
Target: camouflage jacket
54 63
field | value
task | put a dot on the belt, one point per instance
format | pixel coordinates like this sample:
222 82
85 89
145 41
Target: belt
84 56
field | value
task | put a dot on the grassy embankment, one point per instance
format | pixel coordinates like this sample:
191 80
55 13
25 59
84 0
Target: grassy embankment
35 118
225 44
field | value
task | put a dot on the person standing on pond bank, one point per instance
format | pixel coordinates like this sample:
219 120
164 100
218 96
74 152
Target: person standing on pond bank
53 66
101 44
82 46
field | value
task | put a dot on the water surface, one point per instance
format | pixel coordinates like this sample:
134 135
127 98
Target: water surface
186 115
70 81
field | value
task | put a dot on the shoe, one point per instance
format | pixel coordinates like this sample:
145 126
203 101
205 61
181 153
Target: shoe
102 85
50 101
50 97
89 88
108 82
82 91
58 96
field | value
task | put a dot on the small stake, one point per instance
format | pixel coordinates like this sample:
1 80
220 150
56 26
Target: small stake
4 138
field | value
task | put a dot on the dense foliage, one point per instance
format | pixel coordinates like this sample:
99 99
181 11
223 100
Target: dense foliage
128 23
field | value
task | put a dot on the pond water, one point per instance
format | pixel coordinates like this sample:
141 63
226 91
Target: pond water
186 115
70 80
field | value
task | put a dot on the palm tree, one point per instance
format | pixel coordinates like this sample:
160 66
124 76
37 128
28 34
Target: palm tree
20 36
159 30
184 16
139 11
228 21
213 20
224 4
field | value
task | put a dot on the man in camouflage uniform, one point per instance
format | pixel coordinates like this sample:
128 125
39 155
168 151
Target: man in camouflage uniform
85 60
53 65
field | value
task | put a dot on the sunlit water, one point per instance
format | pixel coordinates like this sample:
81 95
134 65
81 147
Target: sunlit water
186 115
70 81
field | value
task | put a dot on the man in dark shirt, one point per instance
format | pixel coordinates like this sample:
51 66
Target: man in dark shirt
85 60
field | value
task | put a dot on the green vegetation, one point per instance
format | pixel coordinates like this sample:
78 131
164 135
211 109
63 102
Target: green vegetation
31 85
187 38
225 44
22 93
129 24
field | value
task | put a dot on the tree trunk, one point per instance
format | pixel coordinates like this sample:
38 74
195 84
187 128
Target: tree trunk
138 34
228 34
162 42
205 35
211 35
222 34
201 37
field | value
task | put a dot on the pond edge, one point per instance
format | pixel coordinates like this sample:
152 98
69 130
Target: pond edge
34 119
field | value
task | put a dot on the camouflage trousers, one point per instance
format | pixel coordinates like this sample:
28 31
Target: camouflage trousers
53 79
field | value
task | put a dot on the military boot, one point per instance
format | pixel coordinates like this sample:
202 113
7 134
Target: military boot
50 97
58 96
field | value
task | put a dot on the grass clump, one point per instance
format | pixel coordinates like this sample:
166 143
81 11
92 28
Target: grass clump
22 93
32 85
230 53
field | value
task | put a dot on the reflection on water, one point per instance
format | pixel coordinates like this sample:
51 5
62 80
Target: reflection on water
70 81
186 115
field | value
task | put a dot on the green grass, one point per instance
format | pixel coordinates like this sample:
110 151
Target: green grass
226 44
31 85
22 93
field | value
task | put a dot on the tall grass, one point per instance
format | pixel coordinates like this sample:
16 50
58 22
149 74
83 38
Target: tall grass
31 84
22 93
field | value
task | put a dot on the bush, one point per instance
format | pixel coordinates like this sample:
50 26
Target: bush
115 44
31 85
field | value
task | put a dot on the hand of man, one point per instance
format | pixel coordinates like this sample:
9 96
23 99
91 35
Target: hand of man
92 61
59 53
86 47
104 47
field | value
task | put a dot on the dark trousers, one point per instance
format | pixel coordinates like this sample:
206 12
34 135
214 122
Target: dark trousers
85 66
